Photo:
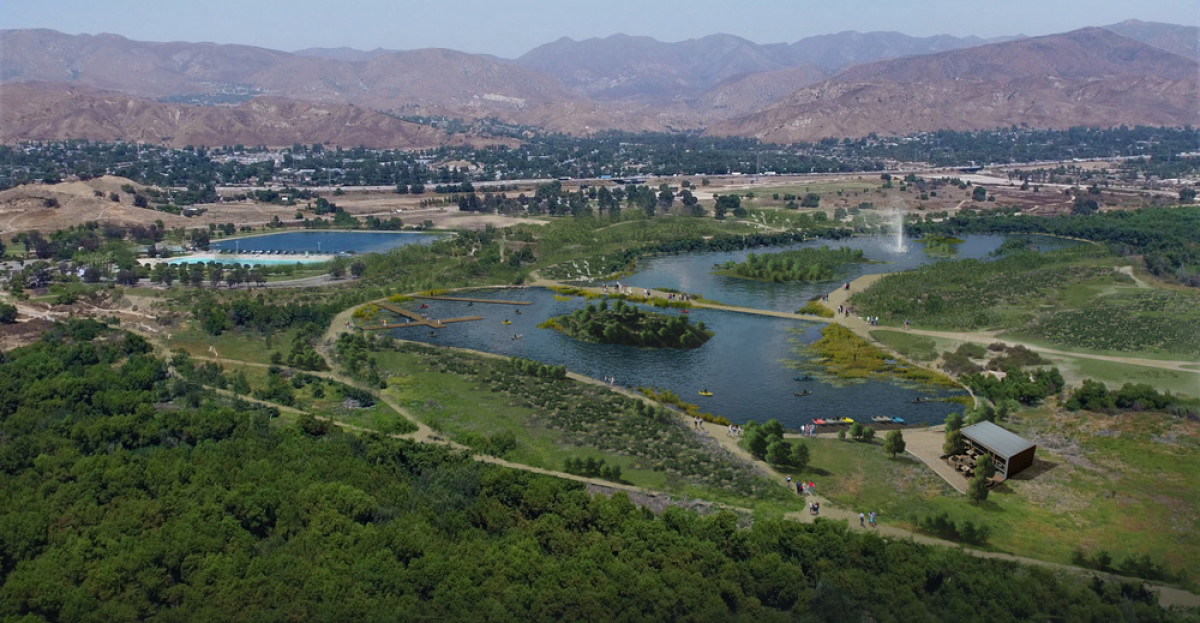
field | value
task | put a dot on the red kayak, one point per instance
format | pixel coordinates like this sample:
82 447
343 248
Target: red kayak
684 311
818 421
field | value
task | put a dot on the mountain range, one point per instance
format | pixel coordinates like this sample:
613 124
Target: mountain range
55 86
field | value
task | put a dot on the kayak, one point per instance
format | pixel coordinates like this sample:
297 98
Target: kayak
802 378
881 419
818 421
505 322
848 420
898 420
705 392
803 393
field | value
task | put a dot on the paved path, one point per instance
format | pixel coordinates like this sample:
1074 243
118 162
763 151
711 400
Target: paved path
926 445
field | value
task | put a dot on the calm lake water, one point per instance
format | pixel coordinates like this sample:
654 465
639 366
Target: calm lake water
692 273
744 365
323 242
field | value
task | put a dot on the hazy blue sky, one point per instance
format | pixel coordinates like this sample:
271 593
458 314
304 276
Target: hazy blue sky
509 28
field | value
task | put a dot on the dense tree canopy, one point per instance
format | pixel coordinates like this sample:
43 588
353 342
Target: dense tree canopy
122 502
629 325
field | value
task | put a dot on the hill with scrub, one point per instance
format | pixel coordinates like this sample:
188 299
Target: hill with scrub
108 87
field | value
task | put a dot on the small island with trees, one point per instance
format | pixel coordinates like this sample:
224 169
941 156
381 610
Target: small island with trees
631 326
941 245
795 265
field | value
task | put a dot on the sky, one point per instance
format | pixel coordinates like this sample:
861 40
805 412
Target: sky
509 28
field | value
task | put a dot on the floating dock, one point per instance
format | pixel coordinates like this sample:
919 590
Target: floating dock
456 298
436 324
415 319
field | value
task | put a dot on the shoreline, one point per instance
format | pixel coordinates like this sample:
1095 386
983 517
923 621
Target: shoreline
242 258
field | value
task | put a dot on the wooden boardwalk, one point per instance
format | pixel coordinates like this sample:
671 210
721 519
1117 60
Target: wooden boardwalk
415 319
436 324
458 298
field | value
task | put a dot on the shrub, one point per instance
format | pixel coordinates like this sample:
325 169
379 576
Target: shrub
971 350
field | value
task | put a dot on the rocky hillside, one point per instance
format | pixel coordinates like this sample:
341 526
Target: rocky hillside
1086 77
107 87
57 111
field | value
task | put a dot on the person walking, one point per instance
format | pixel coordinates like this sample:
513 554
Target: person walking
872 519
861 518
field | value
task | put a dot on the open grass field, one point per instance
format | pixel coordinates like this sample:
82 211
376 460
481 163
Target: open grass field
1122 484
861 477
911 346
232 345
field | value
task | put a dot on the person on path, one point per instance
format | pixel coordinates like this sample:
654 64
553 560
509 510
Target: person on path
872 519
799 487
861 518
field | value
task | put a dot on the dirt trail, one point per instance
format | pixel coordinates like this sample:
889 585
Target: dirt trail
1168 596
859 326
990 336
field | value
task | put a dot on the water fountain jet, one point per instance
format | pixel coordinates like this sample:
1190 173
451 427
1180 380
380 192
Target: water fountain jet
897 218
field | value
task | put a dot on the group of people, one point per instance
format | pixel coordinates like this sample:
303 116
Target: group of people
671 296
869 518
735 431
809 430
611 380
618 287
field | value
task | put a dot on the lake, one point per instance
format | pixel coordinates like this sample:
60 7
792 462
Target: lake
692 272
743 364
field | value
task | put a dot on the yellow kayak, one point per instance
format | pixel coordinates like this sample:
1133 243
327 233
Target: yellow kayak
505 322
848 420
705 392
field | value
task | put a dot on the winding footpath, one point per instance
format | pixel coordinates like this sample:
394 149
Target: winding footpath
1168 596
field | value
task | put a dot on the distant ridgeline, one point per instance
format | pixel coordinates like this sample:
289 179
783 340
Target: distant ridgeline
796 265
626 324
